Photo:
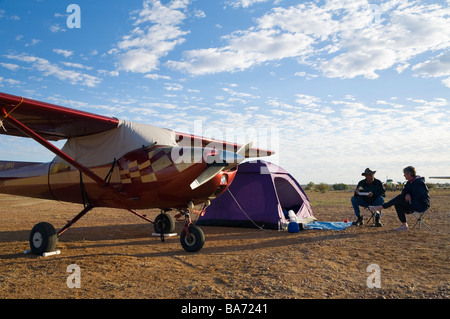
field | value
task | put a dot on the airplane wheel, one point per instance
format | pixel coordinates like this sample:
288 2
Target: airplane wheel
164 223
195 241
43 238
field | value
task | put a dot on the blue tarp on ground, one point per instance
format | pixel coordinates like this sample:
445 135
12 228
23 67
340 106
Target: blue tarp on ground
327 225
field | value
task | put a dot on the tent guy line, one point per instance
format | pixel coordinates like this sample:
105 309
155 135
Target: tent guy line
249 218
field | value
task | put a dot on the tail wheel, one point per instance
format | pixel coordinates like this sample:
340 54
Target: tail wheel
194 241
43 238
164 224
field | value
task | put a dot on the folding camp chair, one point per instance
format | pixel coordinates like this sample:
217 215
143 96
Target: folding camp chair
372 216
419 216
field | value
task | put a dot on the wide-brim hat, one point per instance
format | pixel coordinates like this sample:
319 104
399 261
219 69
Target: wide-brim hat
368 171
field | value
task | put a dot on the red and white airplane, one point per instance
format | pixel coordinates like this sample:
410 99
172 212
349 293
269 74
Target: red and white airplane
107 162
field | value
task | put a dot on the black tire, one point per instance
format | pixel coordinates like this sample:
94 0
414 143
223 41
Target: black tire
43 238
164 223
195 241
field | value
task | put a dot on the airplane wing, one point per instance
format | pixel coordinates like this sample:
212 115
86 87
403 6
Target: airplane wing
50 121
190 140
440 177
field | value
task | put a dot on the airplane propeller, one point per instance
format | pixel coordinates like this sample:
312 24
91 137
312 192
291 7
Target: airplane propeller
226 160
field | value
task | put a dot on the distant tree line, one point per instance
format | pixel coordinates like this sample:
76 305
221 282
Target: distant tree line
323 187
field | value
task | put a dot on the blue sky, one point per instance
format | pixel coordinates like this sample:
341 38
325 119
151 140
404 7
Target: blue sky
332 86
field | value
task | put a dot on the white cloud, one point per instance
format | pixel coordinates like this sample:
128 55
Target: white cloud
113 108
155 76
57 28
307 100
409 30
271 44
9 81
173 87
152 105
236 94
199 14
307 19
244 3
65 53
155 12
245 50
109 73
446 82
214 60
437 67
76 65
341 39
10 66
157 32
307 76
48 69
33 42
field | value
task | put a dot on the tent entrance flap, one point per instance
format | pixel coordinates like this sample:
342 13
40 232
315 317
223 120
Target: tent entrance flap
288 196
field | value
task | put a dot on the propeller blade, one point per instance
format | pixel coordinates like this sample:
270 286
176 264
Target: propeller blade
226 160
207 175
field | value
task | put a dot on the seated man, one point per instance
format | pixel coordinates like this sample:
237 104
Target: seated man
414 197
374 197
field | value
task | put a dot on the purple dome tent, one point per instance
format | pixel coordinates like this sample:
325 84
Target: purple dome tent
260 196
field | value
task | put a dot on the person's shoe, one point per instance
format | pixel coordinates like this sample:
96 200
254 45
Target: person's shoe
359 221
403 227
377 222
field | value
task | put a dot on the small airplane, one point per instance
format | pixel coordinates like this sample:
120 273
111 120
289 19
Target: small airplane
107 162
440 177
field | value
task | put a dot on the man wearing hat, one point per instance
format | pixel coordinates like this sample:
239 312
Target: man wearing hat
368 192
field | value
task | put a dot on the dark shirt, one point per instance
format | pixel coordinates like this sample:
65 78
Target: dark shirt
418 190
376 188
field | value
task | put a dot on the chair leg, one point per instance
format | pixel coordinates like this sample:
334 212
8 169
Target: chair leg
415 224
372 216
420 222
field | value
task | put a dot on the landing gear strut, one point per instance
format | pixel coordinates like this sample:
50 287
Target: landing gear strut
192 237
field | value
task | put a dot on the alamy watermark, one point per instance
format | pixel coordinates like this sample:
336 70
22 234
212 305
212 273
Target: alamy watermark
74 279
374 280
376 13
74 18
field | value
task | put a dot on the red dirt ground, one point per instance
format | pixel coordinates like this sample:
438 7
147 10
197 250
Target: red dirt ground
118 258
